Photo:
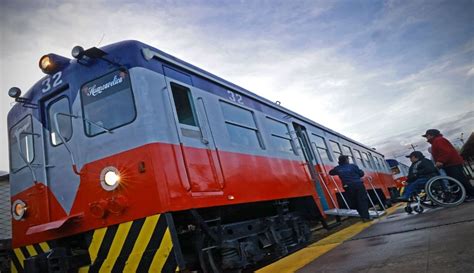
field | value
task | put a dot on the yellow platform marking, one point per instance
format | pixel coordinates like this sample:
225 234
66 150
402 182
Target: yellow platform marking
302 257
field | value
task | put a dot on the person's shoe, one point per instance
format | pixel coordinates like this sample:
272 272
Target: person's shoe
469 199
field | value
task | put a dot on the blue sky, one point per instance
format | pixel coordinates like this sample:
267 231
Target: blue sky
380 72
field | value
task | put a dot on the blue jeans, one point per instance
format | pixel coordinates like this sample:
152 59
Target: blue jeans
414 187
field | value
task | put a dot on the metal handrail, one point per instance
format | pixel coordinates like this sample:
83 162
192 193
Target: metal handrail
339 190
369 178
329 193
373 205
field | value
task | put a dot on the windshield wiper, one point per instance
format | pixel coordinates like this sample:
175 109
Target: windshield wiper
23 157
63 140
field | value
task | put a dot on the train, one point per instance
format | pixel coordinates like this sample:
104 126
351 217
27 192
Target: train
399 171
127 159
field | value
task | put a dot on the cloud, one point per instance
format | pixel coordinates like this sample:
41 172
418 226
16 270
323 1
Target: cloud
359 68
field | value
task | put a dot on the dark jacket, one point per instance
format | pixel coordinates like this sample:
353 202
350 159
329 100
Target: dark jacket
348 173
443 151
423 168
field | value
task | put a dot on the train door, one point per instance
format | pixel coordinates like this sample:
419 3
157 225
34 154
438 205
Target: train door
62 181
311 161
196 141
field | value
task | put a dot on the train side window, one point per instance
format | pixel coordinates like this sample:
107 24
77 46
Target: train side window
382 166
347 151
377 164
367 160
64 122
322 148
374 161
183 103
280 135
241 126
108 102
359 160
336 149
21 144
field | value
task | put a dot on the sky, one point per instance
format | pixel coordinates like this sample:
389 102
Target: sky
379 72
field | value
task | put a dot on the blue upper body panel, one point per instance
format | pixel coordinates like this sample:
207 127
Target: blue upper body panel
128 54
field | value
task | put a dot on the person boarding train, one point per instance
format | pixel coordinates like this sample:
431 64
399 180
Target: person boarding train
350 176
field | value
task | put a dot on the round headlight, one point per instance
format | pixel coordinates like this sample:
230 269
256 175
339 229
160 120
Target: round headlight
110 178
46 63
18 209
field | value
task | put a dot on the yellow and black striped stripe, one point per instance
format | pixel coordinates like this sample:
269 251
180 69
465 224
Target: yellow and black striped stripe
19 255
143 245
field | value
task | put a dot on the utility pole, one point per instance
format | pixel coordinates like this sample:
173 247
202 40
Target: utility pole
413 146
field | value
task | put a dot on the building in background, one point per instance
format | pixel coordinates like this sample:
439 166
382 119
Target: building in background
5 222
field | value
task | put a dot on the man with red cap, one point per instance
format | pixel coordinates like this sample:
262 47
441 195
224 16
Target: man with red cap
446 157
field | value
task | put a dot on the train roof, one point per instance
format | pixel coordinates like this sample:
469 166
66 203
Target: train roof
127 52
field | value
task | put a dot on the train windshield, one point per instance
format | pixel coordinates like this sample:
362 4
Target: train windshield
107 103
21 144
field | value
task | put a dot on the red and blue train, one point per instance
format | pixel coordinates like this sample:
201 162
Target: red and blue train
127 159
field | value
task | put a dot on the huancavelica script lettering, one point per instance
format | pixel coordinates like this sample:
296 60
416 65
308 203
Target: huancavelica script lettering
96 90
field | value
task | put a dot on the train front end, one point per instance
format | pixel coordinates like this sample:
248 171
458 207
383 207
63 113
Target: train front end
84 190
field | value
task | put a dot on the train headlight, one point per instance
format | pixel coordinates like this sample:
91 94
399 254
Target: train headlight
110 178
52 63
46 64
18 209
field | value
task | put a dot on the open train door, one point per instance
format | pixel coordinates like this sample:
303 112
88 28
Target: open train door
197 144
311 163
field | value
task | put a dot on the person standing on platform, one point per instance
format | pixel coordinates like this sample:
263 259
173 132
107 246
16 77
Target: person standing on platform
446 157
350 176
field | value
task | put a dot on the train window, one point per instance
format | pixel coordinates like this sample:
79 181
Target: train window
377 163
322 149
107 103
280 135
64 122
359 160
183 103
347 151
367 160
336 149
241 126
21 144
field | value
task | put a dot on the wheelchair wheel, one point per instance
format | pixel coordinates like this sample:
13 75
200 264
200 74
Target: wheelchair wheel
418 209
445 191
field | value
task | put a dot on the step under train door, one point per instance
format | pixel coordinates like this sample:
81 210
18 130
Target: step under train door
197 144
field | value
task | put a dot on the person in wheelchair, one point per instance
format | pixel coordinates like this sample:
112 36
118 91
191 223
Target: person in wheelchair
420 171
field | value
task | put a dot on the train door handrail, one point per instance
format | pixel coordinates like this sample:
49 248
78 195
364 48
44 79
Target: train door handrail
339 190
369 179
336 206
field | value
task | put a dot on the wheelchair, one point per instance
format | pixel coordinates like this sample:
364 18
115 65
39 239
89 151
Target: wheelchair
442 190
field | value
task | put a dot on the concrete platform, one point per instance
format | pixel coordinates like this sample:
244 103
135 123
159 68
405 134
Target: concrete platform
439 240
